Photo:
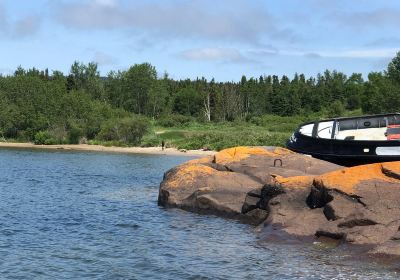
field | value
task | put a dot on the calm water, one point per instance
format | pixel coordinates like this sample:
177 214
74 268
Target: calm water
67 215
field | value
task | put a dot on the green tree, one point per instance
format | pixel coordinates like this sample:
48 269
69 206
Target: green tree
187 102
354 89
157 99
137 82
85 77
393 69
374 95
336 109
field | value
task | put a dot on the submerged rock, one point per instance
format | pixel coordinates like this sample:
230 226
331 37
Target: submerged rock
293 194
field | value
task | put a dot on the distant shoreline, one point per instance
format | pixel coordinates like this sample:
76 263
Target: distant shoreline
100 148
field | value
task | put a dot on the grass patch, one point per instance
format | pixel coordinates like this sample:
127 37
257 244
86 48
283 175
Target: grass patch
260 131
218 140
266 130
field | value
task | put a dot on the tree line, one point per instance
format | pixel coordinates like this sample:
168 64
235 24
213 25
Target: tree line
45 107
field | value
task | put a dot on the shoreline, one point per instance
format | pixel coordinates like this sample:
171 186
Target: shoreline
112 149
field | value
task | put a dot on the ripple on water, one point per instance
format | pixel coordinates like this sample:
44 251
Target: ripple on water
95 216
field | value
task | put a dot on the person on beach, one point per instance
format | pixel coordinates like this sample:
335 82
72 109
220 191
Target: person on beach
162 145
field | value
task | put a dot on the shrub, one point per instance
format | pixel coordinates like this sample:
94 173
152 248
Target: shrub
175 120
59 134
218 140
277 123
74 135
152 140
127 130
43 138
336 109
108 130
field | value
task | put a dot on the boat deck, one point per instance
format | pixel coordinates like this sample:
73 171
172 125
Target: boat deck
377 134
325 132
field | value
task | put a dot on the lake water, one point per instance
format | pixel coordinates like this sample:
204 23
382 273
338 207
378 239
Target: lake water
70 215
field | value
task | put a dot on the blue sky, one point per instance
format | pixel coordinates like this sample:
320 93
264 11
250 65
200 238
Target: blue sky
220 39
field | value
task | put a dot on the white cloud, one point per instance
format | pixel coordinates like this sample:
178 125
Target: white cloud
360 53
257 56
19 28
265 51
312 55
213 54
389 41
240 20
26 26
369 19
3 17
104 59
109 3
355 53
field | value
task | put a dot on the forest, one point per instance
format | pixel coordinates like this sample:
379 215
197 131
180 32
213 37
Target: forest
138 107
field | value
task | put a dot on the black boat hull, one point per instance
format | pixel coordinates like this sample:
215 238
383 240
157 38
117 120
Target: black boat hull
344 152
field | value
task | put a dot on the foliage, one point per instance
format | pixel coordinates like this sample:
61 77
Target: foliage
174 120
44 107
218 140
393 70
336 109
278 123
224 135
43 138
74 135
127 130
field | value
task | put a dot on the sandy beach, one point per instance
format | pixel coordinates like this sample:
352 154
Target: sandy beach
99 148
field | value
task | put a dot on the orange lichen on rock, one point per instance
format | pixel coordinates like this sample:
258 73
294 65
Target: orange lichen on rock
240 153
346 179
188 173
282 151
295 181
202 160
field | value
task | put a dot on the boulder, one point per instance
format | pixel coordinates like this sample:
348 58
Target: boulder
236 183
294 195
200 188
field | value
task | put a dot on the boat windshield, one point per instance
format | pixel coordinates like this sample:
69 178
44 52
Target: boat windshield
325 129
307 129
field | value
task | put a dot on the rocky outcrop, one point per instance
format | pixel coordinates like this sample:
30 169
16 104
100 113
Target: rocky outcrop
233 182
293 195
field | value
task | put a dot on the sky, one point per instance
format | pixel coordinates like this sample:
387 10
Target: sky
221 39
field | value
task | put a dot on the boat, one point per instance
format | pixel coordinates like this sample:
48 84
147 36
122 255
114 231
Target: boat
350 140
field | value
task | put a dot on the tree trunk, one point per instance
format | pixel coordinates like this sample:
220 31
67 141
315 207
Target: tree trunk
207 109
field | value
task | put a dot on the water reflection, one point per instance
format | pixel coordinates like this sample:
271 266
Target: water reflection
94 216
